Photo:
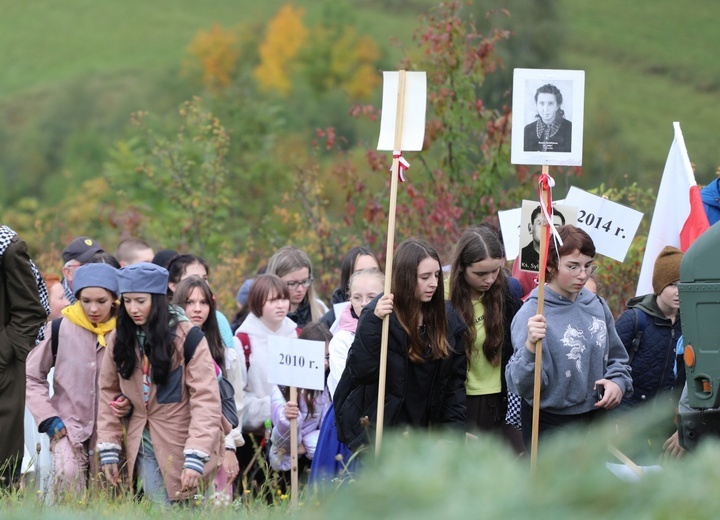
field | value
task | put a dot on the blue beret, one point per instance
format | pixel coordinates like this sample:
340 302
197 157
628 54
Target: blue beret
143 277
244 292
95 275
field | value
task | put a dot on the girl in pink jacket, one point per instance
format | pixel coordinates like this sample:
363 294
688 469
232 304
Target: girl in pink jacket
69 417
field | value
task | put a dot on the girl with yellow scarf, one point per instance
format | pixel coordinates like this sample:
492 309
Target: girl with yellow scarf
69 416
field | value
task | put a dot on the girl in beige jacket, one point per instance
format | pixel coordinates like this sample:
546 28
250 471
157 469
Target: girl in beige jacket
174 432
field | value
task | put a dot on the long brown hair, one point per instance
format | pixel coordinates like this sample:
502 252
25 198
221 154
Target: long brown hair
408 307
475 245
210 328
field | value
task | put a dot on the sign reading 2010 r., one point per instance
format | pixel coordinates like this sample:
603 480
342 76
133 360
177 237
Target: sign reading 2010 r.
296 362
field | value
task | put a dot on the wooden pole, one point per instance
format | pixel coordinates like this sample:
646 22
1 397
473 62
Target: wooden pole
389 261
538 345
293 453
625 460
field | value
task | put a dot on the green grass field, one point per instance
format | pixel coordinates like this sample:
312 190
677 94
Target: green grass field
648 64
45 42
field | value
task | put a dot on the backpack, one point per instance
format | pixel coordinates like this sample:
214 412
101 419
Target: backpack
640 324
247 348
227 392
55 328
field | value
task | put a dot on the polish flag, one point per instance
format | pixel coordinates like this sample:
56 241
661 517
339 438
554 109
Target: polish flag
679 216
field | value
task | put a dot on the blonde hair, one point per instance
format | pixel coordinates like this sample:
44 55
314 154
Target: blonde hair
288 259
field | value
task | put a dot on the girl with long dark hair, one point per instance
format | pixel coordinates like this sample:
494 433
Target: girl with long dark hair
174 435
194 295
479 292
426 362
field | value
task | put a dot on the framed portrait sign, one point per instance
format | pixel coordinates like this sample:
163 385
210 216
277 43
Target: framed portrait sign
547 117
531 225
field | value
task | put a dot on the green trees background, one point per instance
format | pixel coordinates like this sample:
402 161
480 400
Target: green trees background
235 128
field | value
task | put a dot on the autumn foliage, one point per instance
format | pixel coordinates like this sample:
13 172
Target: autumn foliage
284 37
216 52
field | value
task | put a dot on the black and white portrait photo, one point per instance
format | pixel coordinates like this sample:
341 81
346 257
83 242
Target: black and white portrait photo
532 225
547 117
550 130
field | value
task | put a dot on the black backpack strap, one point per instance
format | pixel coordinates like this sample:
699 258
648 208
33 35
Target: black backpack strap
55 332
193 338
639 329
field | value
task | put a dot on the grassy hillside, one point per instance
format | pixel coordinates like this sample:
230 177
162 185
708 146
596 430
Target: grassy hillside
46 42
647 64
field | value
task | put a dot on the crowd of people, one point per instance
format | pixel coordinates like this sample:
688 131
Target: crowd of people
122 361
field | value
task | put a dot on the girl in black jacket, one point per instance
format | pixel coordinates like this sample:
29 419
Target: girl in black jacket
426 359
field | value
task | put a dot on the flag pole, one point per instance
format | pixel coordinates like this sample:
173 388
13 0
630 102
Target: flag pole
544 236
294 453
389 259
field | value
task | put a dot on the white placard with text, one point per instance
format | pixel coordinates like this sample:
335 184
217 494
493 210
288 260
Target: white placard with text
296 362
612 226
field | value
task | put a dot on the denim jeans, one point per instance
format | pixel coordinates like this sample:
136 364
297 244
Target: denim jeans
151 479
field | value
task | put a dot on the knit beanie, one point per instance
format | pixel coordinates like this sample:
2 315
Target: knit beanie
667 268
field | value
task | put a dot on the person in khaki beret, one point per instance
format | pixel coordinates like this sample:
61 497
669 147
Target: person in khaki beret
650 329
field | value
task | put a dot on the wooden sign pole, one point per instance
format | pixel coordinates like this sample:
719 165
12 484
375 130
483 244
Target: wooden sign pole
293 453
544 195
389 261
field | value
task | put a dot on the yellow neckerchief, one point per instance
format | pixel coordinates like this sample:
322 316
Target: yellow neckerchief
76 314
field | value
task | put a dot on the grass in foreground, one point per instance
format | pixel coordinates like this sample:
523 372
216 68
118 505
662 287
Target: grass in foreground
419 478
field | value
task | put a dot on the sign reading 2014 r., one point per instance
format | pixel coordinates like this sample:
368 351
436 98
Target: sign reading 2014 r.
296 362
612 226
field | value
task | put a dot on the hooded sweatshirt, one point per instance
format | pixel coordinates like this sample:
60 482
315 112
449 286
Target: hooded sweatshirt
580 347
340 346
257 390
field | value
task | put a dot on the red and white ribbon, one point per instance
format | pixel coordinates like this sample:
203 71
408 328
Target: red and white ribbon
546 183
403 166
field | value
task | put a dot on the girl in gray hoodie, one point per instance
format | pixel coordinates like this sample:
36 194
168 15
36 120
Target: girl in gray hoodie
584 363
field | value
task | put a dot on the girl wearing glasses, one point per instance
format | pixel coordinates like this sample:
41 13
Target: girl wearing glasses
480 292
294 268
584 363
426 364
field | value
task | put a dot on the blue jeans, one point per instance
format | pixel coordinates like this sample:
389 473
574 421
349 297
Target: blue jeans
151 479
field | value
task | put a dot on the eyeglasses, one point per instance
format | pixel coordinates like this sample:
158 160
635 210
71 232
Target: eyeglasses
305 283
577 269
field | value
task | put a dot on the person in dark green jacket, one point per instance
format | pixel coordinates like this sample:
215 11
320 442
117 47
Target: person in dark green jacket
22 314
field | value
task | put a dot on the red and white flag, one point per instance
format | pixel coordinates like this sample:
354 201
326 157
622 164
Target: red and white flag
679 217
